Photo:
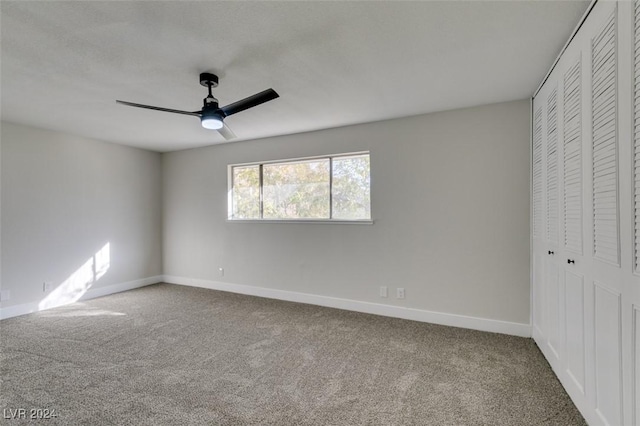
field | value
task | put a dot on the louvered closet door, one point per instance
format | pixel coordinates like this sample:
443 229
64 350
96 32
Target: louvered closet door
552 278
538 218
606 283
633 288
552 289
572 276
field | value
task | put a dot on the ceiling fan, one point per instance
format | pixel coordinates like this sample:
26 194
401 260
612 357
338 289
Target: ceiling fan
211 116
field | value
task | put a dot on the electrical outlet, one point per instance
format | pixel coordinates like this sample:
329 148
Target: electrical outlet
400 293
383 291
46 286
5 295
221 271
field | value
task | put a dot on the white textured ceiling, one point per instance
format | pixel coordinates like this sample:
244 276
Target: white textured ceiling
333 63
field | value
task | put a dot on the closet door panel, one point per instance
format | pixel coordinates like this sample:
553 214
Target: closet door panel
635 347
608 354
554 303
539 297
574 326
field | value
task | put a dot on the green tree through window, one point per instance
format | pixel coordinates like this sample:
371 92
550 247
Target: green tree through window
336 187
246 192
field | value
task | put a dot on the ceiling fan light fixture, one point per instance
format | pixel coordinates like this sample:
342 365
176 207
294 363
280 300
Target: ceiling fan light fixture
211 120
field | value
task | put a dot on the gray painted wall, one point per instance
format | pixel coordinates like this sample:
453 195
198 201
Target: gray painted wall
64 198
450 201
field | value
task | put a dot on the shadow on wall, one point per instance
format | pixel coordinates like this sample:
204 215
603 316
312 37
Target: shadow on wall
77 284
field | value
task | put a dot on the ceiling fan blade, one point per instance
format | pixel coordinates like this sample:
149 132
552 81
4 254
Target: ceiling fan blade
226 132
250 102
176 111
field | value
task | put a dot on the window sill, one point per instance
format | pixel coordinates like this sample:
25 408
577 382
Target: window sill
305 221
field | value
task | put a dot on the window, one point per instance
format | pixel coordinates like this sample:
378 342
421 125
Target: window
332 188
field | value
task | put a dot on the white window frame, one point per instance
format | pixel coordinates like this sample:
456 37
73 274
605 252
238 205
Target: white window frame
290 220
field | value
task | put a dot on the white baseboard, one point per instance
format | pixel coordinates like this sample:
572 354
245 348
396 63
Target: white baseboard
92 293
482 324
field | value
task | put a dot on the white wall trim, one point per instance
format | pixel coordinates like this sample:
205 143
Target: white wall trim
482 324
92 293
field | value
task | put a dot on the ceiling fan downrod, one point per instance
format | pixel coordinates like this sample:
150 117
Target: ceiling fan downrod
209 81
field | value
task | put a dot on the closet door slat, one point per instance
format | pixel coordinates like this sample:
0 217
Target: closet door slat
605 141
572 161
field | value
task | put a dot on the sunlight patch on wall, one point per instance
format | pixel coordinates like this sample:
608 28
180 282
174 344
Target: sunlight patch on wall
77 284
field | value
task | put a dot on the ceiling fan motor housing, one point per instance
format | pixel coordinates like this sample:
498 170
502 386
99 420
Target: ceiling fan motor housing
210 102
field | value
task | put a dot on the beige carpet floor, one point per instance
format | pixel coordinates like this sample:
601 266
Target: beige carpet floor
173 355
